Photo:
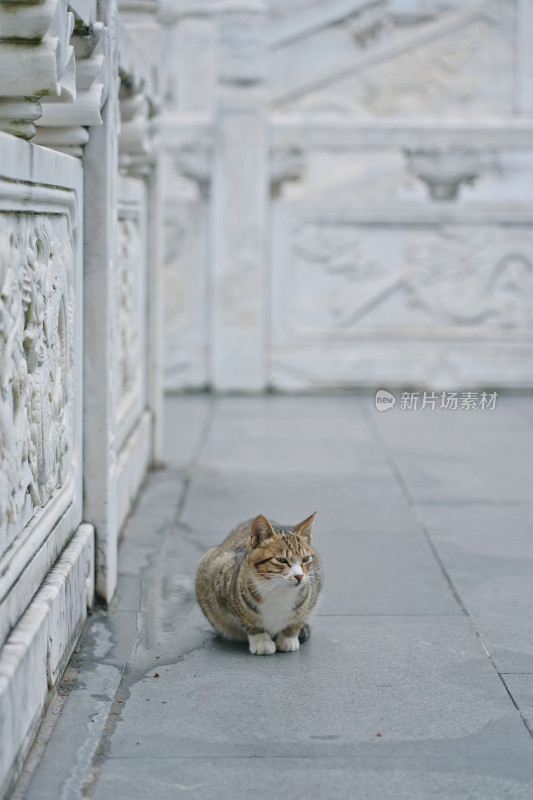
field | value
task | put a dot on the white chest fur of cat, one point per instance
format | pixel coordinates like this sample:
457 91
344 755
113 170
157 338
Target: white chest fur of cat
277 604
275 612
261 584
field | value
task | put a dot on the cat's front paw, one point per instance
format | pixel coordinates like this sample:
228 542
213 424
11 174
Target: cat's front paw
287 644
261 644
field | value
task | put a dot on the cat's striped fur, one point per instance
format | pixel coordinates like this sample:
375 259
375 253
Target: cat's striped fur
261 584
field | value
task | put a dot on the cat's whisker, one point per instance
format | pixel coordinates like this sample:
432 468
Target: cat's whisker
265 588
273 584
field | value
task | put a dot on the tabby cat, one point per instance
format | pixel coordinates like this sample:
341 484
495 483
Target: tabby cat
261 584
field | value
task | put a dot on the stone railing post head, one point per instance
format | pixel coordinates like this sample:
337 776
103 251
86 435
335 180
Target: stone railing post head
241 41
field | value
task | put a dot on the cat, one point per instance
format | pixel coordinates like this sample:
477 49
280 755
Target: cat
261 584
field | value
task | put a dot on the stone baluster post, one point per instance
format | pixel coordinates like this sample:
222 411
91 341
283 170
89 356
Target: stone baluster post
240 187
141 21
524 57
190 50
100 162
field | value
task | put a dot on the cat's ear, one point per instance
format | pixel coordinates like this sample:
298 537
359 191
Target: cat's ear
261 530
304 528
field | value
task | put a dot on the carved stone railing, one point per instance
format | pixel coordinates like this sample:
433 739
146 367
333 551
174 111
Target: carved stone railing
41 358
291 246
189 156
80 326
139 103
122 184
36 60
63 126
240 192
53 76
352 133
414 246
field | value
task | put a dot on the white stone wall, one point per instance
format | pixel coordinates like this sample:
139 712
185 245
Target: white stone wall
46 554
80 327
352 195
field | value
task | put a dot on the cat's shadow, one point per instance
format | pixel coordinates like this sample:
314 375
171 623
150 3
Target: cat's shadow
221 645
218 644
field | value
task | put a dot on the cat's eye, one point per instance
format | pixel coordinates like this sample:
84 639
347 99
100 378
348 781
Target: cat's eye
305 558
281 560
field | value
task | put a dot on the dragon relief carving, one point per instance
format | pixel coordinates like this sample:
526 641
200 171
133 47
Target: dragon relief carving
337 248
454 276
472 276
333 277
36 363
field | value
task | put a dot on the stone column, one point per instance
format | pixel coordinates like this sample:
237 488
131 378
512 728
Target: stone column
238 240
155 310
141 21
189 52
524 55
100 162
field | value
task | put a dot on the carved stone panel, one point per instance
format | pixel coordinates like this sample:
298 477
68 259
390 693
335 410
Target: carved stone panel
37 370
446 76
353 302
347 280
395 239
461 63
473 276
131 306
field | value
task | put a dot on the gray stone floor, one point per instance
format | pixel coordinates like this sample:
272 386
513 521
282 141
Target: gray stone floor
417 681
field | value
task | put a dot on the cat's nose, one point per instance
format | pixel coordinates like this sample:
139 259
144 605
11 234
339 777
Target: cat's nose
298 578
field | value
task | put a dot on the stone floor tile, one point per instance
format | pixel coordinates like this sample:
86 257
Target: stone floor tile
391 574
321 778
487 552
467 479
323 420
186 418
219 501
520 685
412 679
285 458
